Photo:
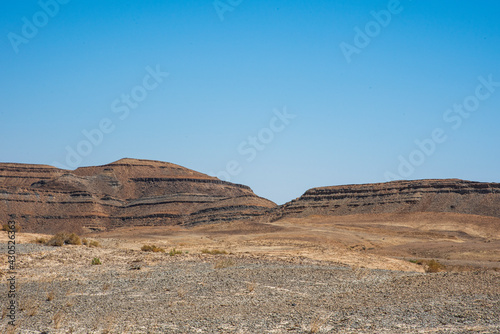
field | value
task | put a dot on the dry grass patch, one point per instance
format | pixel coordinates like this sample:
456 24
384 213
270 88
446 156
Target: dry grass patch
317 324
50 296
94 243
29 307
433 266
58 318
213 251
90 243
61 239
430 266
250 286
7 228
152 248
41 241
174 252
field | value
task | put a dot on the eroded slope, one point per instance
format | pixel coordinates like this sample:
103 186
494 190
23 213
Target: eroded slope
128 192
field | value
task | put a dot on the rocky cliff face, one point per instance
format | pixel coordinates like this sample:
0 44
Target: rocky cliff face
124 193
449 195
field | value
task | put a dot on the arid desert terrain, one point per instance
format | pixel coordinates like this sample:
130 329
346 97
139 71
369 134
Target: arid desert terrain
353 274
172 254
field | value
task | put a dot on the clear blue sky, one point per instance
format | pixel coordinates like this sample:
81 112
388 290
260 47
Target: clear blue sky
362 91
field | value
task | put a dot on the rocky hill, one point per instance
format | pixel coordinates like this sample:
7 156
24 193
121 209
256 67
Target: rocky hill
128 192
449 195
132 192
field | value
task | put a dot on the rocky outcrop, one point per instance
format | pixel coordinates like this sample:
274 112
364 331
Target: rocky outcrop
133 192
128 192
449 195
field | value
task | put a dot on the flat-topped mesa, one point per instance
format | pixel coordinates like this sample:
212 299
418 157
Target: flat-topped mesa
448 195
128 192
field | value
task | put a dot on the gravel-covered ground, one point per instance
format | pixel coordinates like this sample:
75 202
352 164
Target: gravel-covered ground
59 291
25 248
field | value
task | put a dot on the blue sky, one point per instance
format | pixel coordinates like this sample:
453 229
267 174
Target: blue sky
278 95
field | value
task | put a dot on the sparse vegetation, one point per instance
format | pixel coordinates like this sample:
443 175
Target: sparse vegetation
32 310
213 251
152 248
430 266
58 318
57 240
433 266
41 241
90 243
61 239
96 261
316 324
73 239
29 306
50 296
174 252
94 243
7 228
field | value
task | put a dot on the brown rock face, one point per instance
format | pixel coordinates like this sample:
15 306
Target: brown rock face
128 192
450 195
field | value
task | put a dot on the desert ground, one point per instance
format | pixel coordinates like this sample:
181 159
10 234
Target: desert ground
317 274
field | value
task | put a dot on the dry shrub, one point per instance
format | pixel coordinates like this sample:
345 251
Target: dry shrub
174 252
94 243
213 251
57 240
317 324
41 241
90 243
58 318
433 266
32 310
152 248
7 228
73 239
29 306
61 239
50 296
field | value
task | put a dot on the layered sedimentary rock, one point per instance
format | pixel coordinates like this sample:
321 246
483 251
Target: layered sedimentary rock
449 195
128 192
